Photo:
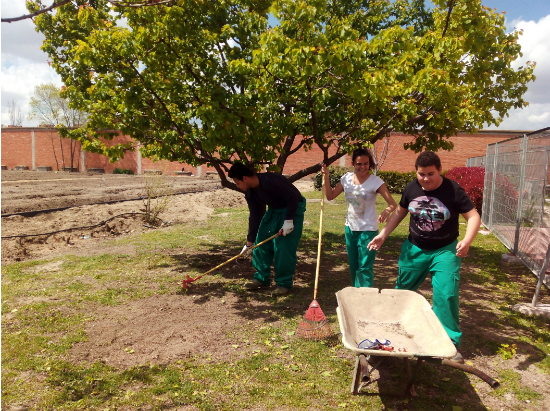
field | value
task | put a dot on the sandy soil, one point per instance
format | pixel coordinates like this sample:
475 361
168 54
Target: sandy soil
24 194
30 190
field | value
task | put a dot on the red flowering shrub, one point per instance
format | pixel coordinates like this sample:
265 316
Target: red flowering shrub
472 180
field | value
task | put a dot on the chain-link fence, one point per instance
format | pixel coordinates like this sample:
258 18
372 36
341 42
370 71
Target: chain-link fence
514 199
475 161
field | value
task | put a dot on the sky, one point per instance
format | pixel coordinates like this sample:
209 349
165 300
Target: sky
24 65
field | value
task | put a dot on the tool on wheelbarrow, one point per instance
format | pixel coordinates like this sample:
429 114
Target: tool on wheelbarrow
189 280
314 325
408 320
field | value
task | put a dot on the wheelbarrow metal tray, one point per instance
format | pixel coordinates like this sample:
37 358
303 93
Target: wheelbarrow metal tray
401 316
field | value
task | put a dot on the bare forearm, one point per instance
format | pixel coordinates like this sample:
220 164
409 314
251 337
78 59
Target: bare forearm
393 222
472 228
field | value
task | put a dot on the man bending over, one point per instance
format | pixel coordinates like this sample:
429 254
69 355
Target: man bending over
285 214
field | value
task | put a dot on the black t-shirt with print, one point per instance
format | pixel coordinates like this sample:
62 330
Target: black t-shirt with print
434 214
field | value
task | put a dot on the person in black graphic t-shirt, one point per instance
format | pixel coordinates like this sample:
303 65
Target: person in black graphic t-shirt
435 204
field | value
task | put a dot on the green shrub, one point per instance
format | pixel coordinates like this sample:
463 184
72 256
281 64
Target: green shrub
335 174
122 171
395 181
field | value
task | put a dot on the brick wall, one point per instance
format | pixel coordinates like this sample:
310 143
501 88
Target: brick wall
465 146
17 150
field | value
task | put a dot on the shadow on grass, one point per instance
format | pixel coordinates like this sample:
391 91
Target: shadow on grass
482 324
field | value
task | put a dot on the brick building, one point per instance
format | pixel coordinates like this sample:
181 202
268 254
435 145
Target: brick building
36 147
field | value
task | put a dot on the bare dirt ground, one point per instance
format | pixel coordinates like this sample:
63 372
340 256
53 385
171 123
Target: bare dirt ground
24 191
30 190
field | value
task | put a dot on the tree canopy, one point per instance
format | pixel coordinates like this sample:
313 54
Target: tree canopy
210 82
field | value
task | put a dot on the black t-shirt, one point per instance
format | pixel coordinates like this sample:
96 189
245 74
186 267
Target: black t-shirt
275 191
434 214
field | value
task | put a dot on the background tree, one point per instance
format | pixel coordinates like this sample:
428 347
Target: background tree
14 111
383 150
211 82
49 107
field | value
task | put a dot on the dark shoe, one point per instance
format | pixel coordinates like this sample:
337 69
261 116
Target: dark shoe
280 291
458 358
255 285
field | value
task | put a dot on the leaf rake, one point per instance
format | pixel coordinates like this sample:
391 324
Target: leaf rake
314 325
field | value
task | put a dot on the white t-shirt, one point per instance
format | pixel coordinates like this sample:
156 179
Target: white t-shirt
361 200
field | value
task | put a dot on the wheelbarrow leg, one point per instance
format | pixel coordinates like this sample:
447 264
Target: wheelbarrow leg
410 390
362 372
357 376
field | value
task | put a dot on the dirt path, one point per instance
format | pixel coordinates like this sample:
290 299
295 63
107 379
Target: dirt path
29 190
84 189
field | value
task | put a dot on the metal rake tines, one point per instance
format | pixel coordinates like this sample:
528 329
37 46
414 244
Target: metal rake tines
313 330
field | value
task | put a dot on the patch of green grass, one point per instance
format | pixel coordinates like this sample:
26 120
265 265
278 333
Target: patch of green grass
44 313
511 382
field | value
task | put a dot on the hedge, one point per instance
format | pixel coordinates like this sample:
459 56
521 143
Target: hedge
395 181
122 171
472 180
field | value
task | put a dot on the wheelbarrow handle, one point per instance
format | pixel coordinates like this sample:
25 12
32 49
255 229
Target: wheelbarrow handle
449 363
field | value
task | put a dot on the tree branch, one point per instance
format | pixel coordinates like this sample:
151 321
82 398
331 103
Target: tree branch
315 168
30 16
450 5
113 2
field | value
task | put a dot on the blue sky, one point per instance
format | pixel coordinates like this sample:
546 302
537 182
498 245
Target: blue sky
24 65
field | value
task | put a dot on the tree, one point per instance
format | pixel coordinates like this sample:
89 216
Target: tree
48 106
14 111
209 82
383 151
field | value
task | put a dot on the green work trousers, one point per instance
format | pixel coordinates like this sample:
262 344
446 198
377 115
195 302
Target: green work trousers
444 267
361 259
281 251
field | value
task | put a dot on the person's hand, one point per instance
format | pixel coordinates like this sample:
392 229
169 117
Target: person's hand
462 249
246 252
376 243
384 215
324 169
287 227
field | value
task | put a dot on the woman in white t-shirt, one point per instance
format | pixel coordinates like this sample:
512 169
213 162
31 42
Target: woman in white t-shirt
360 189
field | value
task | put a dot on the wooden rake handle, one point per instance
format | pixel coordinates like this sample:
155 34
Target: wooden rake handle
320 237
190 280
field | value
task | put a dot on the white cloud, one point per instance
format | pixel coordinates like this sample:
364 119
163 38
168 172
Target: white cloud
18 82
541 118
535 46
19 39
24 65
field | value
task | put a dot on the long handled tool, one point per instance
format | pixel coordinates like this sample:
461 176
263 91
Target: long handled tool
189 280
314 325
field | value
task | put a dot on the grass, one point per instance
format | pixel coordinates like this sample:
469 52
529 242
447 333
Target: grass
44 314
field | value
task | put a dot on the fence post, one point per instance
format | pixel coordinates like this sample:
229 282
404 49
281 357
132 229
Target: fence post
542 275
138 158
33 145
520 191
493 184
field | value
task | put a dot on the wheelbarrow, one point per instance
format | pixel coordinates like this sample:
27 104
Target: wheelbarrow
394 323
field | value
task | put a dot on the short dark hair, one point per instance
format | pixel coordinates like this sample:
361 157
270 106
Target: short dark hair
363 152
239 170
426 159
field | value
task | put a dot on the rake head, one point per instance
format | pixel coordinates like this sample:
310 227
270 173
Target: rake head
314 325
187 281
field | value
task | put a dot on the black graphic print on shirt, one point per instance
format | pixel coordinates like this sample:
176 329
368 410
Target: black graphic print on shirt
428 213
